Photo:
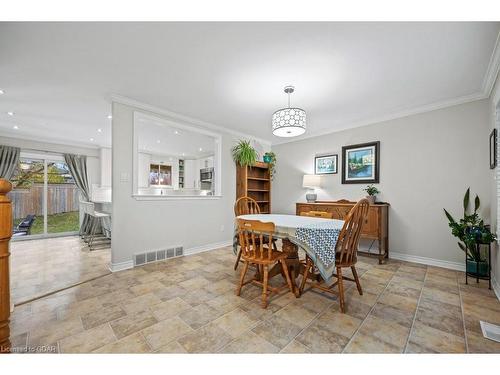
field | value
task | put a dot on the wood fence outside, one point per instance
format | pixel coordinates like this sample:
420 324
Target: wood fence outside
60 198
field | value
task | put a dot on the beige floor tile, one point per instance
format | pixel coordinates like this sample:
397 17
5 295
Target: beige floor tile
363 343
397 301
208 339
436 340
51 333
480 344
170 308
440 296
385 330
320 340
86 341
402 317
172 348
249 342
161 334
101 316
278 332
340 323
140 303
199 315
135 343
132 323
295 347
296 314
236 322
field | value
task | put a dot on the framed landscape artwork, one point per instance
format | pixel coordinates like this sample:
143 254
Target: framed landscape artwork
326 164
361 163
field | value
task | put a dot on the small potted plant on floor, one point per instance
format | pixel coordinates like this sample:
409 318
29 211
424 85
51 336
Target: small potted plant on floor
270 158
372 192
244 154
471 231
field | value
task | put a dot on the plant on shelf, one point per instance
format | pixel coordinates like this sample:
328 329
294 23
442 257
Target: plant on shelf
372 192
270 158
244 154
471 231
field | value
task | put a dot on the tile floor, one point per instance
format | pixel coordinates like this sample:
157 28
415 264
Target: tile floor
42 266
187 305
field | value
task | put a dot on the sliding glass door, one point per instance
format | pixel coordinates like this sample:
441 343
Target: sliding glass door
45 199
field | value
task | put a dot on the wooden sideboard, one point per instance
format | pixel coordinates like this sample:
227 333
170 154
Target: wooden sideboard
376 226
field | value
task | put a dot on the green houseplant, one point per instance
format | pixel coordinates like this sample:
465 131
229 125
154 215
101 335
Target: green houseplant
372 192
244 154
270 158
471 231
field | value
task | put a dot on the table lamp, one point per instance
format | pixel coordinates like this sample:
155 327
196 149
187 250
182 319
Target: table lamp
311 181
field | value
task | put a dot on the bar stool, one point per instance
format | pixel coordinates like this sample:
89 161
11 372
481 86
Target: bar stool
93 224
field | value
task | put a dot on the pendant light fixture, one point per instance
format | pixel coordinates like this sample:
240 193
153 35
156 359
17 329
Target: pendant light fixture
289 122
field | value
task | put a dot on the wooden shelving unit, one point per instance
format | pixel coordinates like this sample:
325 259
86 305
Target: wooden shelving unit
255 182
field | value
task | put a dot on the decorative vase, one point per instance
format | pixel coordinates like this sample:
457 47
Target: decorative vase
477 268
267 158
371 198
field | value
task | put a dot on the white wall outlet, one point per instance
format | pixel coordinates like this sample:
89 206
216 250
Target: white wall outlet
124 177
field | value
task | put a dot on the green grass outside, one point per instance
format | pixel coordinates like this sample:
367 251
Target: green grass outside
57 223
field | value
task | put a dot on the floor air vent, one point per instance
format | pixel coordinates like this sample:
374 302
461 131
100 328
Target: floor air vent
154 256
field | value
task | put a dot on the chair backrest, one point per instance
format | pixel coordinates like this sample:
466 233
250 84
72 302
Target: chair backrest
87 207
325 215
246 206
255 238
348 241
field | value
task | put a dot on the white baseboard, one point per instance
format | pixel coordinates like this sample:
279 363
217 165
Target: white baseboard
212 246
121 266
495 285
457 266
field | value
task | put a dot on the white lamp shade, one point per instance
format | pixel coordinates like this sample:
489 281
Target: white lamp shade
311 181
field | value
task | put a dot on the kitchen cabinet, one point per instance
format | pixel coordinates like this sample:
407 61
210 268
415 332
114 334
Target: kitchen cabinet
191 174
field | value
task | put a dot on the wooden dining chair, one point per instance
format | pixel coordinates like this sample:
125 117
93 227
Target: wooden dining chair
247 206
345 253
256 242
322 214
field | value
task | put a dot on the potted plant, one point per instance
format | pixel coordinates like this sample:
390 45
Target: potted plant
471 231
244 154
270 158
372 192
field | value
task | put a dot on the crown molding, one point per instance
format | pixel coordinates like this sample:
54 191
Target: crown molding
177 116
493 68
393 116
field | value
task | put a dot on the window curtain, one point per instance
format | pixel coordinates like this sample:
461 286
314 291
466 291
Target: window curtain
9 160
77 165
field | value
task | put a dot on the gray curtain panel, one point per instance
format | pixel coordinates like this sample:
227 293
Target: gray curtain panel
77 165
9 160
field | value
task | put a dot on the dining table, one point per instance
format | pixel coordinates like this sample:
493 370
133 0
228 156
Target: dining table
317 237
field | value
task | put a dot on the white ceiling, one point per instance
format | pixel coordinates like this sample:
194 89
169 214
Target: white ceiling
161 139
58 77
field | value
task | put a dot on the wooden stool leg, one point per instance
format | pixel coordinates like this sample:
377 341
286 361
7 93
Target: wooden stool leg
242 278
306 273
341 289
264 286
287 275
356 278
237 260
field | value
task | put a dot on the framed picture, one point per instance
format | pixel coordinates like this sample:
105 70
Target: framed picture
493 148
361 163
326 164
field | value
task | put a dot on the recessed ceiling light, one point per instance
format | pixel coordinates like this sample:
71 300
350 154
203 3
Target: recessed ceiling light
170 159
183 154
200 149
99 130
176 132
15 127
158 141
110 117
91 139
10 113
2 92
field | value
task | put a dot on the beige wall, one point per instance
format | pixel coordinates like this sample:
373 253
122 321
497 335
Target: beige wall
427 162
140 226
